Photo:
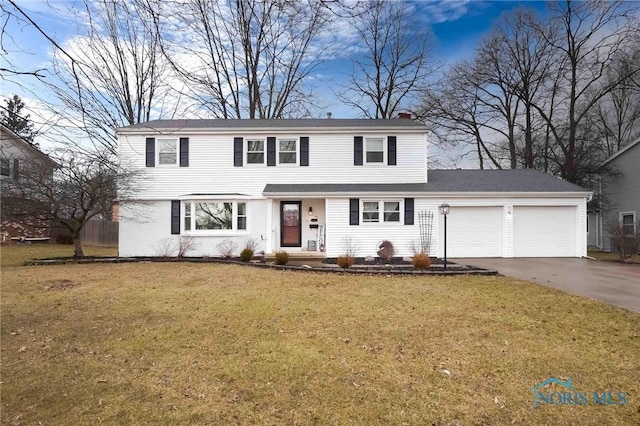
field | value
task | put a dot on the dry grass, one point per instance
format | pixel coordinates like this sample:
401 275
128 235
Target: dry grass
218 344
16 255
610 257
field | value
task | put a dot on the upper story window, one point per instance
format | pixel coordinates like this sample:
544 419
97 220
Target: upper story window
167 152
255 151
374 149
628 222
5 166
215 216
390 211
287 151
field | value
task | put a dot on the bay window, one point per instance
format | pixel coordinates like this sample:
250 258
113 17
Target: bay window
213 216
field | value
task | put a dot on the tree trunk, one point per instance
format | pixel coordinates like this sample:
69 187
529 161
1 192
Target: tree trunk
77 246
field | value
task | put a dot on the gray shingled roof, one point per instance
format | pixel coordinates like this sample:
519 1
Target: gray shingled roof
222 124
446 181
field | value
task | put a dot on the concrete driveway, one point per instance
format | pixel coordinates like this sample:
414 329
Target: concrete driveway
610 282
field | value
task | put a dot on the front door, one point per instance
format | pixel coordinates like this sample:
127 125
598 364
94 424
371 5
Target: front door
290 224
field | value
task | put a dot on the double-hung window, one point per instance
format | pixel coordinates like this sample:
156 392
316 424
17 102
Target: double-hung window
5 166
628 222
167 151
381 211
255 151
204 216
374 150
287 152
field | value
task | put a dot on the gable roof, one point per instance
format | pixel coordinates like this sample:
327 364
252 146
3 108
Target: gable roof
456 181
25 144
622 151
280 124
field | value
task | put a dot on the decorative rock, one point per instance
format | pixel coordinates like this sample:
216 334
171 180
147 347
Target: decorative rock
369 259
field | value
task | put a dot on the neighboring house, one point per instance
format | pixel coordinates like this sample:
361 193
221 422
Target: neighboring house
305 185
15 153
620 194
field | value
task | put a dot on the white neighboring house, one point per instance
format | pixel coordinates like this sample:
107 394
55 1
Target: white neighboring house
304 185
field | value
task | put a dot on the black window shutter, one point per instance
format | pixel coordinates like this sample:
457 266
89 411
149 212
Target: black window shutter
175 217
408 211
271 151
354 211
357 150
391 150
237 152
184 152
16 169
304 150
151 152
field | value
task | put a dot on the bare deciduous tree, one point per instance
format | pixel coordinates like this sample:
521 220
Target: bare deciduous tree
246 59
71 190
113 75
396 63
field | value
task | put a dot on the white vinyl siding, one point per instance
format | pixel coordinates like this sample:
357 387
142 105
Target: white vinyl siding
546 231
211 164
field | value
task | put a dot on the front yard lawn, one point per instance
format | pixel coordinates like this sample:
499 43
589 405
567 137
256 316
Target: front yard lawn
155 343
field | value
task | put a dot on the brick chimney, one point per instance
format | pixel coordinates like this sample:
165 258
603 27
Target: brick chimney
404 115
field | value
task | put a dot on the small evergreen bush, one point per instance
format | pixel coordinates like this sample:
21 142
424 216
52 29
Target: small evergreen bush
282 257
246 254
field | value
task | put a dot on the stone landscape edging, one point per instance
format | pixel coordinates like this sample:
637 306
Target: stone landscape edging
378 270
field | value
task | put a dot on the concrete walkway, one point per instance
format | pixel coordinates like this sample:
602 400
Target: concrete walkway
610 282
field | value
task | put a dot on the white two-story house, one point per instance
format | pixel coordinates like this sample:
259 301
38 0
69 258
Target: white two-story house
307 184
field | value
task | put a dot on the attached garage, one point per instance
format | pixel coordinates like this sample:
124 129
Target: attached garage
474 232
548 231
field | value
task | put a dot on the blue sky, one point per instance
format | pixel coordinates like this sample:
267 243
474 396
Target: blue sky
457 26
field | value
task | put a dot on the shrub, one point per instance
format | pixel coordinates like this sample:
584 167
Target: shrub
282 257
64 239
350 246
226 248
246 254
386 250
626 243
345 261
186 243
421 261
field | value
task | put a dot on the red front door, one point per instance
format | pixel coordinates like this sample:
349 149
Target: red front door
290 224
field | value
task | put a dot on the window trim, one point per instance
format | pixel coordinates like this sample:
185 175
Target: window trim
9 167
176 142
296 152
365 150
381 219
621 216
247 152
191 203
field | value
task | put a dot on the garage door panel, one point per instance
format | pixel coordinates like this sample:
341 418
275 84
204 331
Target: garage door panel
474 232
544 231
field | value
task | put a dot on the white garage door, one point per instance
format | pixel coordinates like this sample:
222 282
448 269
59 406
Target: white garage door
473 232
544 231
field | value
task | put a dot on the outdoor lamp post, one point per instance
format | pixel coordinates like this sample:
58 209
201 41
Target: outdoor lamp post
444 211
